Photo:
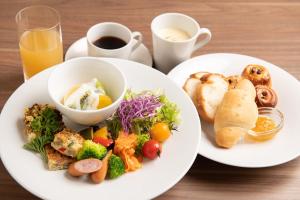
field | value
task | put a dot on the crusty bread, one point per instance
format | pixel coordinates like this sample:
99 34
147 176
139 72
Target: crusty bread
199 75
190 88
247 86
227 137
190 85
236 114
210 94
233 80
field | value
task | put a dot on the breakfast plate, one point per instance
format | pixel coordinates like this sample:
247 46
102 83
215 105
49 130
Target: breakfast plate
155 177
79 49
284 147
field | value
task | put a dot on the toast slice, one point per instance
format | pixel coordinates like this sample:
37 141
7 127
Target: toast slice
209 95
190 88
191 84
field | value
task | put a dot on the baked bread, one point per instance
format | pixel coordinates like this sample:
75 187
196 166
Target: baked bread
258 75
190 87
210 94
200 75
233 80
236 114
265 96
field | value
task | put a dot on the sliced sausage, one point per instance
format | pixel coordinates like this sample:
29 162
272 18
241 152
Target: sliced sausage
99 176
85 166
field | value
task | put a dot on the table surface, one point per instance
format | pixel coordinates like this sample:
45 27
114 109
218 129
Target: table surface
267 29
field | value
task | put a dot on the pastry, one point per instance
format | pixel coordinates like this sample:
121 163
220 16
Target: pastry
236 114
258 75
265 96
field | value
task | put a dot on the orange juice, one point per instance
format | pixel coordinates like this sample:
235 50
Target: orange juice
39 50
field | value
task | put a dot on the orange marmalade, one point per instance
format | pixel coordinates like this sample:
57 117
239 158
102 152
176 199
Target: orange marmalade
264 129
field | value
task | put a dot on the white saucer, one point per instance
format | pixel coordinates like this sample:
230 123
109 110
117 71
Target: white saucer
79 49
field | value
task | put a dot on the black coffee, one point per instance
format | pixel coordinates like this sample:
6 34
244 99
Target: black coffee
110 42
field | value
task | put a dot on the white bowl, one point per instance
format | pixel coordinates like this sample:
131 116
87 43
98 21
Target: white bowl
81 70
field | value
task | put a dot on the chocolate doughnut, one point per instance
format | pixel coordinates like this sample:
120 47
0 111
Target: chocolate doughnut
265 96
258 75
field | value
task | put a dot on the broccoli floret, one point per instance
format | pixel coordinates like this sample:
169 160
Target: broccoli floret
141 139
91 150
116 166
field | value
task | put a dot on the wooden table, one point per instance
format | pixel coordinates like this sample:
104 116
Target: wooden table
268 29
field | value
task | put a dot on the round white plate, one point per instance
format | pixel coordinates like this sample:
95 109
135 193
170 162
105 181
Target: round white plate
284 147
79 49
155 177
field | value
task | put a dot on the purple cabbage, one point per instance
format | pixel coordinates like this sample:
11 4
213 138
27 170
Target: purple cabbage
139 107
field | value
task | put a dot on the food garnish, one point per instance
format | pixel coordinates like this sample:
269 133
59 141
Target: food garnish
42 122
138 112
38 145
141 139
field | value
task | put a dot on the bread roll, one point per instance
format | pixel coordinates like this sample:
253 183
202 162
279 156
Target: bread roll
236 114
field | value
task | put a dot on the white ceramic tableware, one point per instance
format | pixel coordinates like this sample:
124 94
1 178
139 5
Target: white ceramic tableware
154 178
133 40
168 54
82 70
79 49
284 146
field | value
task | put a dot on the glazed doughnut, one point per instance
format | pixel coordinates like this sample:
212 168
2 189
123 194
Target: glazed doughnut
258 75
233 80
265 96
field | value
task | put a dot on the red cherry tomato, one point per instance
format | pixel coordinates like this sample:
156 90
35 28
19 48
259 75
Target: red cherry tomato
105 142
151 149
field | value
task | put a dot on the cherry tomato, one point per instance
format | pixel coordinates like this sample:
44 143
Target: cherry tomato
151 149
160 132
105 142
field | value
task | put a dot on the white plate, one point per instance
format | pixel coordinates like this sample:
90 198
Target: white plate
79 49
284 147
157 176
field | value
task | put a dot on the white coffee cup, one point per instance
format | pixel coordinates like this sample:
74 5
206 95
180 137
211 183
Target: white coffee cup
168 54
133 40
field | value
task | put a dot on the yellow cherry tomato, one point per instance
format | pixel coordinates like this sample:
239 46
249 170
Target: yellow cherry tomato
104 101
160 132
102 132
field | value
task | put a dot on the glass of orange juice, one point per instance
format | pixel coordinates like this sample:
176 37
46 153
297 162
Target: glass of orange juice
40 38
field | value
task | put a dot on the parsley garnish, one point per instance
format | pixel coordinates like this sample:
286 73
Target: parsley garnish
45 126
49 122
38 143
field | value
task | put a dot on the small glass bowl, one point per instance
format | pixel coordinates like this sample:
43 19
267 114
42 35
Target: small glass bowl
278 119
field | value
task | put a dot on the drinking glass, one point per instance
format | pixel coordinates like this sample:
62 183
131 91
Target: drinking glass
40 39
